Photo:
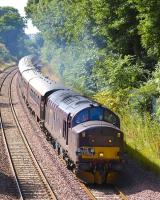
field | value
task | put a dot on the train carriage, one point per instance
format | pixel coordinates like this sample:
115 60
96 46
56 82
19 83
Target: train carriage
39 89
24 80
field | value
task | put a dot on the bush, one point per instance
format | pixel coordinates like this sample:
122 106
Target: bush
4 53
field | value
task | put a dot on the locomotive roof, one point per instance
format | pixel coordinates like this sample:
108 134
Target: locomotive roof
30 74
70 102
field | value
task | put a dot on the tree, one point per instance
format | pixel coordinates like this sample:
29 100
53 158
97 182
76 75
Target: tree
11 29
149 26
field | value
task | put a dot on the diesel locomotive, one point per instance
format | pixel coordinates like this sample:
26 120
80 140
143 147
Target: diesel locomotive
86 134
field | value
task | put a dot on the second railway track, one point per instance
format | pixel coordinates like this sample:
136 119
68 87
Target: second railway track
31 181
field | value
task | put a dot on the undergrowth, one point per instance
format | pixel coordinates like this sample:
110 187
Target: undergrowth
142 137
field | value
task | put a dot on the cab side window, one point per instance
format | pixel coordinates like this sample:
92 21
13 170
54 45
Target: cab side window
111 118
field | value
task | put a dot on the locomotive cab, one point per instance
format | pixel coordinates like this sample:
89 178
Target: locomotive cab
100 144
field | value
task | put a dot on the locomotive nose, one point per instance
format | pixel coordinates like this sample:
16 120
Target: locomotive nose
100 143
101 137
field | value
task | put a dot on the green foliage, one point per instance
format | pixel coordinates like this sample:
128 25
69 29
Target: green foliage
73 64
4 53
11 29
48 16
115 100
33 44
119 72
148 91
149 25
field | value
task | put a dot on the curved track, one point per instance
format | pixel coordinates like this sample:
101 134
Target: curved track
30 180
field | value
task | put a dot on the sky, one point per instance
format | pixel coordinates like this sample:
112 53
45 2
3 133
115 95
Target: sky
20 4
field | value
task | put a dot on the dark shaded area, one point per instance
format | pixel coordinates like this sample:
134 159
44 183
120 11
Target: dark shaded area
147 164
8 126
31 188
4 105
8 186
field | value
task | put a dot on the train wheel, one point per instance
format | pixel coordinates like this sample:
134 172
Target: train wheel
70 165
53 143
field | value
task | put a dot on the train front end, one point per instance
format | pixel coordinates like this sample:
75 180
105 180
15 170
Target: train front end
99 147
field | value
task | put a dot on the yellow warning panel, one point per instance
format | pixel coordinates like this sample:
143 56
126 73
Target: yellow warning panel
103 153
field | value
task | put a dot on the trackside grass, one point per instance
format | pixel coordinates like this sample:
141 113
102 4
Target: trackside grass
142 136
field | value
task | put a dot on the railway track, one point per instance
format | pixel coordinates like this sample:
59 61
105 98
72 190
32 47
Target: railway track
104 192
30 180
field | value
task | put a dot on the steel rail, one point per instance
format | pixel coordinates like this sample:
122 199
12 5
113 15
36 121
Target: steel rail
93 196
120 193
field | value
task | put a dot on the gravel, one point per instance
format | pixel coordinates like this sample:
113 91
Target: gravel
138 183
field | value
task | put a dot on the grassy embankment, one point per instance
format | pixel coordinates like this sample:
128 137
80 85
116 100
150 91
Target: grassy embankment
142 136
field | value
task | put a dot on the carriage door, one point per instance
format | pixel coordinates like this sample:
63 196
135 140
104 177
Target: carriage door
65 134
68 125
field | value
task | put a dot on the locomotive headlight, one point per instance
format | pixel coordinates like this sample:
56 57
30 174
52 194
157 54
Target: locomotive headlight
101 155
109 141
